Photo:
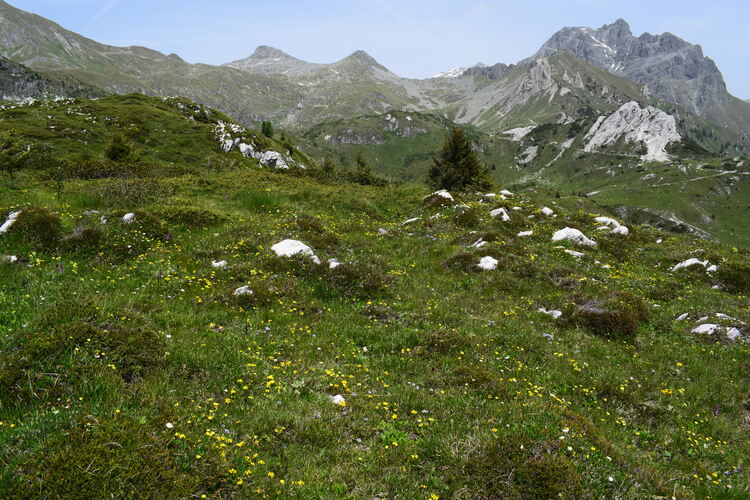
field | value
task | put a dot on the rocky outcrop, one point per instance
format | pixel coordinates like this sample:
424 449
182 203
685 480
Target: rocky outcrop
648 126
669 67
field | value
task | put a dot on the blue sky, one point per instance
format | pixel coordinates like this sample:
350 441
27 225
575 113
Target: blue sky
414 38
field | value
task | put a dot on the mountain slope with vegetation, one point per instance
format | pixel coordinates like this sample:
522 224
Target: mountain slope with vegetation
154 334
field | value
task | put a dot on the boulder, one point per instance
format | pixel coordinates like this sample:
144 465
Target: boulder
290 248
574 236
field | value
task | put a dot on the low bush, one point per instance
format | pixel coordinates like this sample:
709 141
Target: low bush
38 227
616 315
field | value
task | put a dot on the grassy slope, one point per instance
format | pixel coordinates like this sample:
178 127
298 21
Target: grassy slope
452 390
446 372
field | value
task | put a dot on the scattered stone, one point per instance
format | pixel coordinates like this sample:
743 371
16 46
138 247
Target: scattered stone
548 336
9 222
410 221
501 213
614 226
333 264
554 313
290 248
708 329
243 291
219 264
488 263
548 211
382 231
524 234
690 263
9 259
438 199
574 253
128 218
338 399
683 317
733 334
573 235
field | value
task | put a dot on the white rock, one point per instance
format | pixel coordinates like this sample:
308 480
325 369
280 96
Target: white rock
479 243
169 425
273 159
507 193
649 126
488 263
442 193
489 196
548 211
243 290
382 231
407 222
613 225
9 222
690 263
219 264
712 269
574 253
516 134
573 235
659 241
128 218
9 259
333 264
524 234
501 213
683 317
708 329
338 399
554 313
734 334
290 248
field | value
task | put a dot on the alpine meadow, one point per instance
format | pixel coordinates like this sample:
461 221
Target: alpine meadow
275 278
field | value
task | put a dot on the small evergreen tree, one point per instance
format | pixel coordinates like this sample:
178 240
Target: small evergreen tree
457 167
13 154
328 166
267 129
118 149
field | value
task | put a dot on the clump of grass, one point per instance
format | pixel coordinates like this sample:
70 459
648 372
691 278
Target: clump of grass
505 469
83 239
191 216
734 276
616 315
38 227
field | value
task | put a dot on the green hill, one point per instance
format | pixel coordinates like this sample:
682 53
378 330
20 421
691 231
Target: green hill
135 363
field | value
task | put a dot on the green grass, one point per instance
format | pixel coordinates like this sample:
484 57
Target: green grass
451 389
128 367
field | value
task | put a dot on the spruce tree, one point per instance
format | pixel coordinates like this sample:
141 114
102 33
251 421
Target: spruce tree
457 167
267 129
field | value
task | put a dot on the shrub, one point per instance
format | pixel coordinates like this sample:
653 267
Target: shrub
191 216
734 276
119 149
617 315
38 227
83 239
504 470
129 192
359 279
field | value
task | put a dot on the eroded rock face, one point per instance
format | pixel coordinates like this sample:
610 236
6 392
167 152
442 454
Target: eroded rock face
670 68
648 126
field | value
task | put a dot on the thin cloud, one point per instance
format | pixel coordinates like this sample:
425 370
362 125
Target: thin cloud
111 4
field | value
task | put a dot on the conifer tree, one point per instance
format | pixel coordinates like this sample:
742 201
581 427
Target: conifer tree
457 167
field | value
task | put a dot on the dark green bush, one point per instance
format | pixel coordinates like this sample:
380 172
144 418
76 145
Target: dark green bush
502 469
191 216
83 239
38 227
734 277
616 315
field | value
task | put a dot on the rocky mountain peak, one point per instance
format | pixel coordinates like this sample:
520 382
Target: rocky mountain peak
266 52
